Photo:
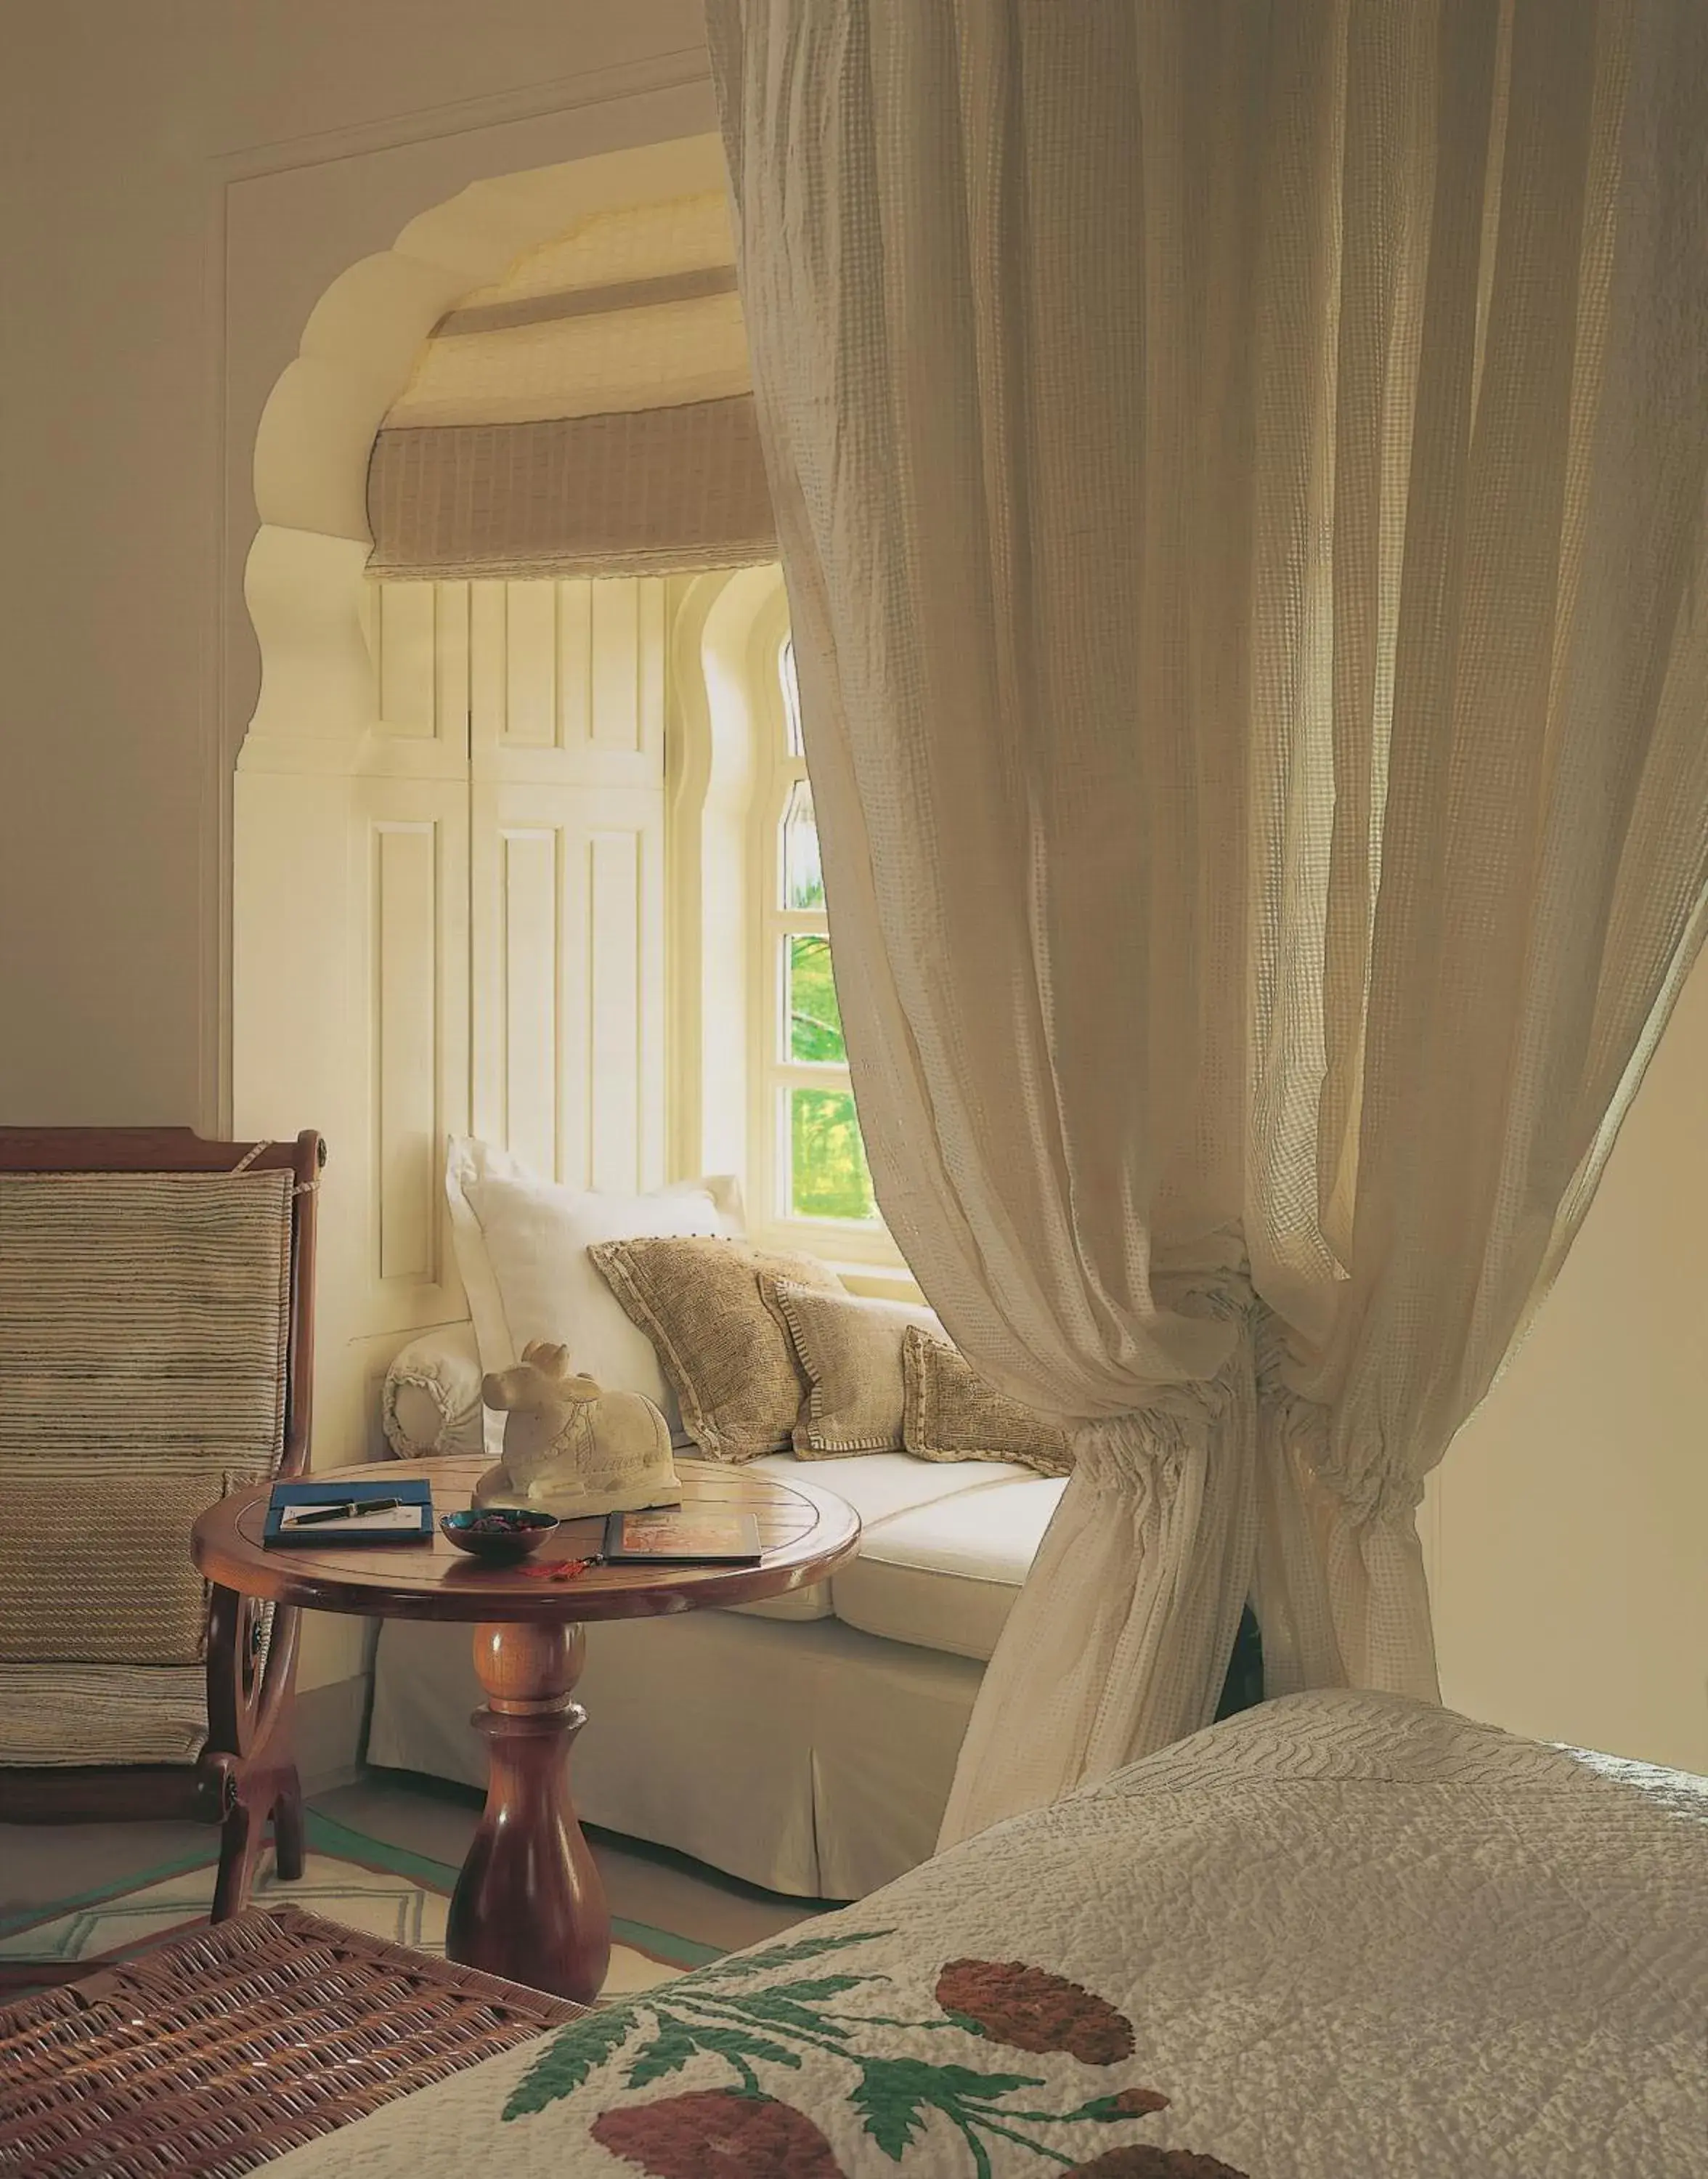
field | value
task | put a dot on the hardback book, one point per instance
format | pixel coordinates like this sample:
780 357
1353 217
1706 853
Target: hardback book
681 1535
310 1511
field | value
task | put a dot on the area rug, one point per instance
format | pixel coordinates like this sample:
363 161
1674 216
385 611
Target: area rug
349 1877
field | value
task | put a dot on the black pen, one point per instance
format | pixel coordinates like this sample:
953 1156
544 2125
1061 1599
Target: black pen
352 1510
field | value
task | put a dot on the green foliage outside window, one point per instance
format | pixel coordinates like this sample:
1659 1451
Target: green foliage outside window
827 1161
815 1018
827 1174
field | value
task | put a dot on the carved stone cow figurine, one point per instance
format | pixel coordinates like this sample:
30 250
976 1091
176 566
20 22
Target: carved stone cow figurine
569 1447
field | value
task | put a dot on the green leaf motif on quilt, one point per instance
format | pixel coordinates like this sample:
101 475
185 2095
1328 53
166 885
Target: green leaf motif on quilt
571 2059
946 2084
818 1988
745 1965
678 2040
781 2011
668 2052
717 2014
891 2111
895 2094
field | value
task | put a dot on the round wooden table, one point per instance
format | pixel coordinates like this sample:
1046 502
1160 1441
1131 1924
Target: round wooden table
528 1903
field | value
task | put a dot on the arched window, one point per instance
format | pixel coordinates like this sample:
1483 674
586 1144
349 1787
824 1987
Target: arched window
815 1158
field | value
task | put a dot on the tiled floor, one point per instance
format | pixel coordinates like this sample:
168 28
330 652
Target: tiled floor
41 1863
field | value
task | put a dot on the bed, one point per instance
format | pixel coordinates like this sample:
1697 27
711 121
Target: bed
1339 1936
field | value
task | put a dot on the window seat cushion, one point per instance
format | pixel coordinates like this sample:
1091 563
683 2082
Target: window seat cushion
943 1574
884 1489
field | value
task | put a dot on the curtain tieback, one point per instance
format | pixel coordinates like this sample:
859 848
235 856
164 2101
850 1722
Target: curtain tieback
1149 1446
1366 1487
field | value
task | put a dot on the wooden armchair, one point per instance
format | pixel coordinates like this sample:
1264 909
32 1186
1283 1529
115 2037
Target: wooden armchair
157 1296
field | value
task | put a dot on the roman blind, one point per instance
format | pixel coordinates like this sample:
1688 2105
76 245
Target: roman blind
590 414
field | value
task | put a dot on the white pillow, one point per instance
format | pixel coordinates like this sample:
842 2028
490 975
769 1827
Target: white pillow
522 1245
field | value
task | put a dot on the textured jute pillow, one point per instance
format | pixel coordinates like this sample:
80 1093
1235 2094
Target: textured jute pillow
726 1355
950 1412
849 1349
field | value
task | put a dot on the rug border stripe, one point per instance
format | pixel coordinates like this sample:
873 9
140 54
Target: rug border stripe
326 1835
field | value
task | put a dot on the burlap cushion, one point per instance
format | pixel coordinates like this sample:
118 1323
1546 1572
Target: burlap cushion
71 1715
728 1357
950 1413
94 1567
849 1349
142 1343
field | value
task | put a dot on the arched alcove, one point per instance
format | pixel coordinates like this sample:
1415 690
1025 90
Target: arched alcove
364 831
303 581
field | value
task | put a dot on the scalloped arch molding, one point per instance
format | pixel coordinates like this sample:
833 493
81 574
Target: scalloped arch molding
303 580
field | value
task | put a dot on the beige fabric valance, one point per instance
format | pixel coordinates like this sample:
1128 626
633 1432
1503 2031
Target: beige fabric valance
643 493
590 414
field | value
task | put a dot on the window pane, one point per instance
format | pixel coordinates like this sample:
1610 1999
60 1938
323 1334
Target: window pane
792 701
814 1031
803 881
828 1178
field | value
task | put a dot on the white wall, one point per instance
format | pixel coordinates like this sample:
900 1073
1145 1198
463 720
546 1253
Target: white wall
183 181
181 188
1571 1585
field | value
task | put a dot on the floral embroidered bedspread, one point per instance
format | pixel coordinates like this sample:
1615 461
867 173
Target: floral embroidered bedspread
1340 1936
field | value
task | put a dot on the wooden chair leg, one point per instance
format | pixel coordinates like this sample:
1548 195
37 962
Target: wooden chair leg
251 1682
288 1828
240 1839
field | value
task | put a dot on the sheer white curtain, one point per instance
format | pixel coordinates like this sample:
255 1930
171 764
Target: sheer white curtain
1240 477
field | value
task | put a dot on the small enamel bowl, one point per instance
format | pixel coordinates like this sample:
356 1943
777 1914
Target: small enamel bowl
497 1532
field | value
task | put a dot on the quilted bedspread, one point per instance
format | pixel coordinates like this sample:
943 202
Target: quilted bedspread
1340 1936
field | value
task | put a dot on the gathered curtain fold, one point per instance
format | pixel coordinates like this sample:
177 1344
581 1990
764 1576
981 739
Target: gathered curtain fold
1239 474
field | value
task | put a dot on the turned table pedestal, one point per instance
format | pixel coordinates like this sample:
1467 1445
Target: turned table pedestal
528 1903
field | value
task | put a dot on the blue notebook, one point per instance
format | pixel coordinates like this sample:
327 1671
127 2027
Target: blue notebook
410 1521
